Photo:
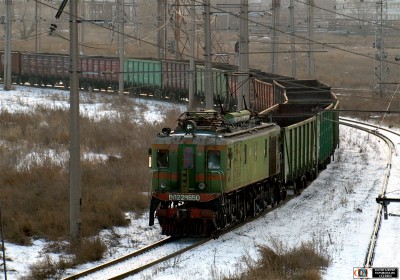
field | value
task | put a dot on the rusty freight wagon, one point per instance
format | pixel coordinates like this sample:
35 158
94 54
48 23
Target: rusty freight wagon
41 69
99 72
15 66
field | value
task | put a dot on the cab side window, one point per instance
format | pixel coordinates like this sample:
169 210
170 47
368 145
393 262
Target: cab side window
162 158
213 159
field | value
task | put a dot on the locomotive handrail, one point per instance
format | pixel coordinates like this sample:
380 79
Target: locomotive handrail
220 173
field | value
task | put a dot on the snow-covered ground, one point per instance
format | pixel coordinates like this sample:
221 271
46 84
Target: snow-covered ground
336 211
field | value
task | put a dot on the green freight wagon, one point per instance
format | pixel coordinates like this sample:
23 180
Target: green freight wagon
328 122
220 83
143 76
307 139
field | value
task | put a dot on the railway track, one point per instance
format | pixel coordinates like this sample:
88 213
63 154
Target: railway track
382 133
130 264
140 260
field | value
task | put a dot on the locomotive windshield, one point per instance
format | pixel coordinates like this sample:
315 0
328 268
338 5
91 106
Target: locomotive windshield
162 158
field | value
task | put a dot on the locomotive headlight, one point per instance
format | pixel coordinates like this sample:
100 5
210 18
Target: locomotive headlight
163 185
202 186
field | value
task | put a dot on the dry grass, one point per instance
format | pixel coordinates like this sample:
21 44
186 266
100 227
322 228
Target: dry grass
34 194
279 262
87 250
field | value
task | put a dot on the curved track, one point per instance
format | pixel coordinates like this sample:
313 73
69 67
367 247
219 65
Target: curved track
166 249
119 260
382 133
139 260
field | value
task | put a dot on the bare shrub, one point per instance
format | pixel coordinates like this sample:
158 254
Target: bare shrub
35 195
33 200
85 250
47 268
88 250
278 262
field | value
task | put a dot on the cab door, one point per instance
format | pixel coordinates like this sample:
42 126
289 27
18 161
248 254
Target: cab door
187 167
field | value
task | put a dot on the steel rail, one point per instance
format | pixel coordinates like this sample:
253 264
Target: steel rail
119 260
172 255
160 260
201 242
378 218
371 125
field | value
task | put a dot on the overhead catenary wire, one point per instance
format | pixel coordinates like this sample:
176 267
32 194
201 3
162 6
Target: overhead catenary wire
150 43
222 10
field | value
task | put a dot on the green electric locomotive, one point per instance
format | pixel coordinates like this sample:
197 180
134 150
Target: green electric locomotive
213 170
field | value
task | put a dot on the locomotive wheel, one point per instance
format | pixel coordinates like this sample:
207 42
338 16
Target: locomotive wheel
277 193
271 200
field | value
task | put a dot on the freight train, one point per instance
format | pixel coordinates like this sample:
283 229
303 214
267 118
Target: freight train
161 79
216 169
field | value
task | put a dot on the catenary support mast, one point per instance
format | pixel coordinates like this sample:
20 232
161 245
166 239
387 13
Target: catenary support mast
7 50
75 167
243 79
380 62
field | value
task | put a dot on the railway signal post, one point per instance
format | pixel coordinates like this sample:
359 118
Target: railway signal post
385 201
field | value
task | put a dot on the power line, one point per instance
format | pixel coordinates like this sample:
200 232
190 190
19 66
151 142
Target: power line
264 25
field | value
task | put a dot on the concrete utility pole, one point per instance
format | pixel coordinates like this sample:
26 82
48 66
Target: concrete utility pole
310 28
243 79
178 54
7 49
161 29
192 42
82 27
37 26
292 39
74 162
3 247
276 4
159 35
121 46
380 63
208 84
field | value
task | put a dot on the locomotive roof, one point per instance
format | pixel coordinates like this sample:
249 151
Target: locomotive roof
211 122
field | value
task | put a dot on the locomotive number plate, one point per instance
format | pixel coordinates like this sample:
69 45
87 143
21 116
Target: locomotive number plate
184 197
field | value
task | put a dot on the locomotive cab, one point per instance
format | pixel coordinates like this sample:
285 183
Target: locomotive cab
199 170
